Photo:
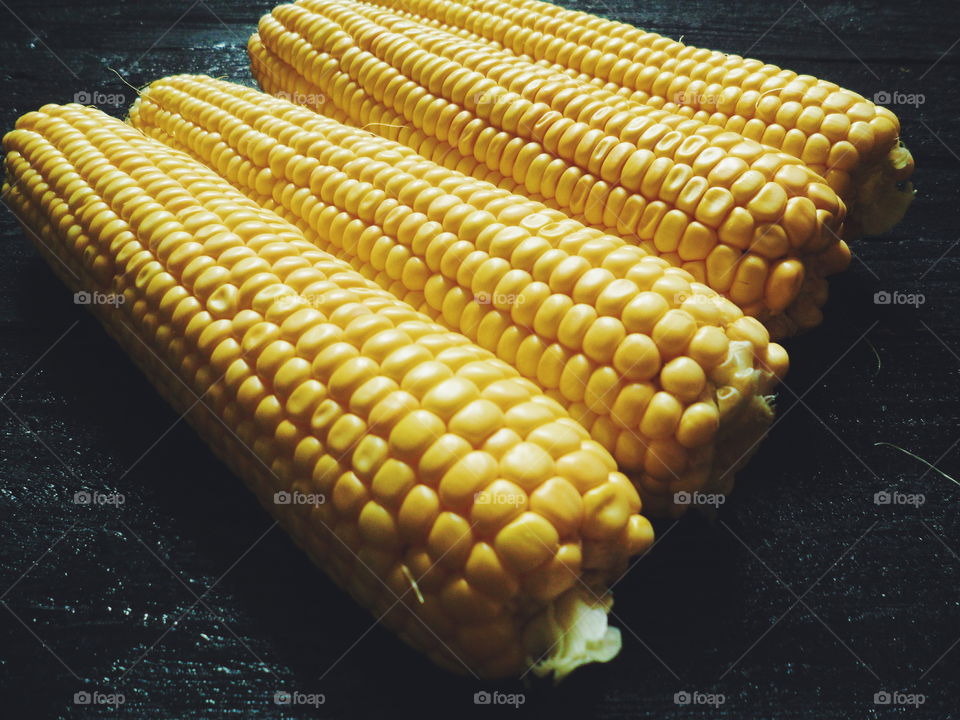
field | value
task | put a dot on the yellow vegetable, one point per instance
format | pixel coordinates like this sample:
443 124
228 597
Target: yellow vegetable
655 365
339 405
850 141
753 223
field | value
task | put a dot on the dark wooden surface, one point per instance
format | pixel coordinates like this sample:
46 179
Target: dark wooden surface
802 600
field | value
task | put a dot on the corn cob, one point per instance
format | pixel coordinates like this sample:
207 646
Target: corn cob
664 373
853 143
465 508
744 219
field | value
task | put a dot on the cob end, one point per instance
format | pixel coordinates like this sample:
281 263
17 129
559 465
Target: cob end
570 632
737 445
746 407
883 192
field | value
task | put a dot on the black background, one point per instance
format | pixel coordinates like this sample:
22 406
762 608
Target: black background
803 598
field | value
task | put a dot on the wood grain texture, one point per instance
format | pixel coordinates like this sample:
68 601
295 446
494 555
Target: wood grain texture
801 600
